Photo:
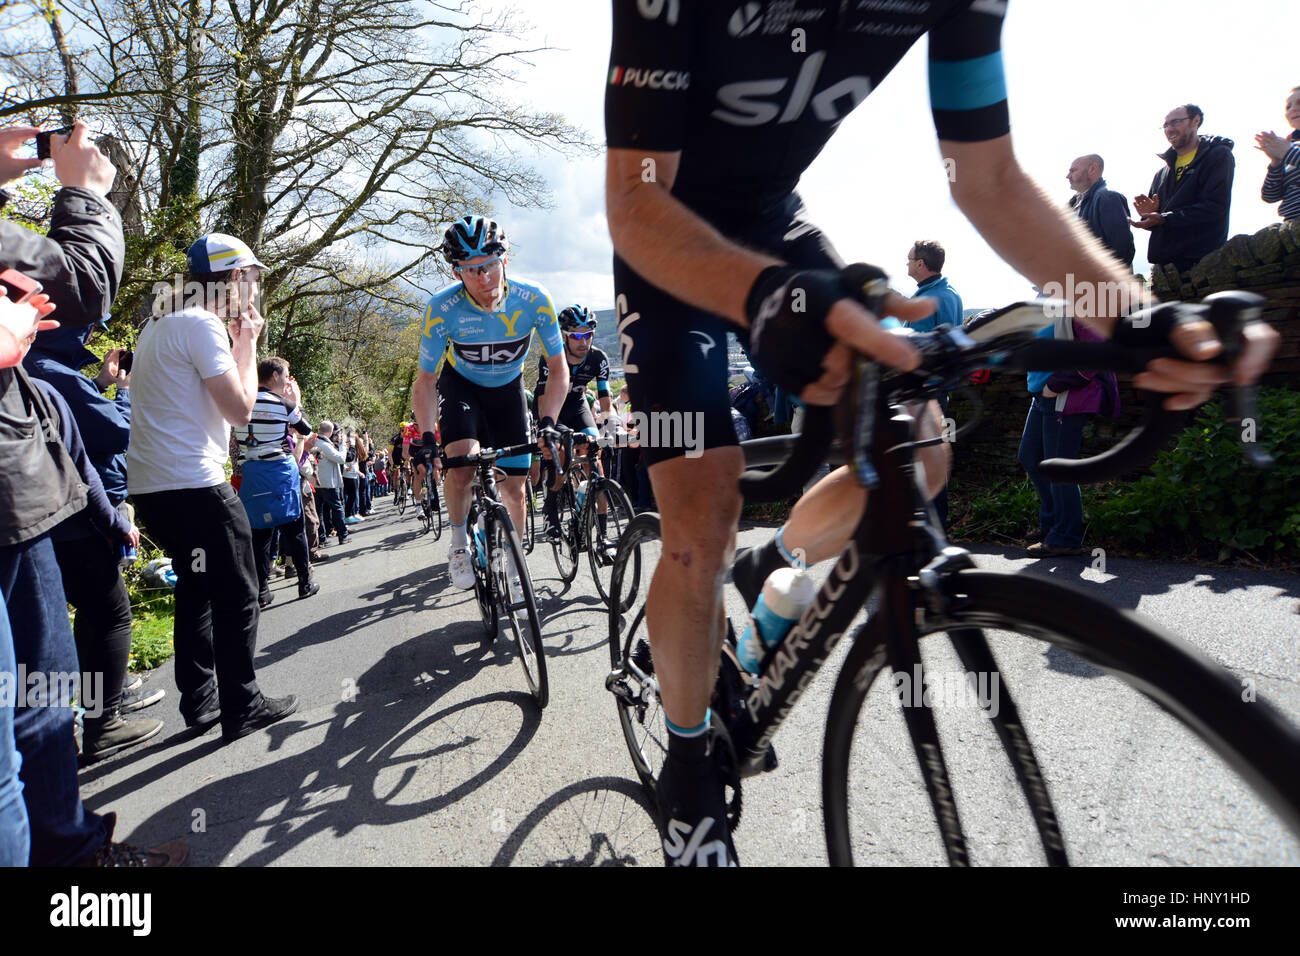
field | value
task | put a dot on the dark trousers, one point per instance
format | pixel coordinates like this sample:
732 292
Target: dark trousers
310 519
207 535
93 585
329 504
1049 435
62 830
349 496
363 494
293 535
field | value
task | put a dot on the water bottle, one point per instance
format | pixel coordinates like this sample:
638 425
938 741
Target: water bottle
582 494
786 593
480 539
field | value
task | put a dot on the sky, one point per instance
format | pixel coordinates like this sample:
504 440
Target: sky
1081 78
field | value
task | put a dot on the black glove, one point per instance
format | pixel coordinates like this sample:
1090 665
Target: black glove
787 310
426 451
1151 327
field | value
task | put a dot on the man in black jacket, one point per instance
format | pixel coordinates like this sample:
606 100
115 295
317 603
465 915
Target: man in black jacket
1187 209
79 263
1103 210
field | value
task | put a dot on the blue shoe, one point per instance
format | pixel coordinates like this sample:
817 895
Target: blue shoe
353 520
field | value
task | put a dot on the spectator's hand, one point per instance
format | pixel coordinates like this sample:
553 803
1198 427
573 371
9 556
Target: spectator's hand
1270 143
1148 221
133 537
246 326
11 140
112 373
1147 204
78 162
1048 393
292 392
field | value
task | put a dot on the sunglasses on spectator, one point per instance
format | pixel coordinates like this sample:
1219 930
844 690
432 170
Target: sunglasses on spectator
487 268
580 336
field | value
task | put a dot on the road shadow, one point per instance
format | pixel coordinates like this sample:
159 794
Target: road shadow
386 758
597 822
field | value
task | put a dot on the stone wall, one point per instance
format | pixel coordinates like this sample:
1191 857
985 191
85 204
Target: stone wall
1267 263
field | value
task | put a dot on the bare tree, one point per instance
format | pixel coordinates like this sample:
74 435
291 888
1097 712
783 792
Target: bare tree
322 132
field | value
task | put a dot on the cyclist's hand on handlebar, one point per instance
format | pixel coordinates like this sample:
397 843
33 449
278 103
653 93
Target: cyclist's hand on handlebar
1193 381
806 325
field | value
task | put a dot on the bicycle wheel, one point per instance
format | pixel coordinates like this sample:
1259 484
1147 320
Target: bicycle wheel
520 618
434 497
565 544
602 546
632 681
484 590
530 517
1131 785
400 496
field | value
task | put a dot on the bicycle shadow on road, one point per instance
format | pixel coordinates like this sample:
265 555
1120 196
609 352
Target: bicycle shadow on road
597 822
382 759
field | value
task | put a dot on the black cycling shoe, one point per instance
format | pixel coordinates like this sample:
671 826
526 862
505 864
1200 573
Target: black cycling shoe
693 811
641 657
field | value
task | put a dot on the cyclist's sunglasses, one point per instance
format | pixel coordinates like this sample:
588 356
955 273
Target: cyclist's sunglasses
487 268
580 336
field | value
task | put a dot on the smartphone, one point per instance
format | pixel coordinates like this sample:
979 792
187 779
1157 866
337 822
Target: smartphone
124 360
18 287
43 140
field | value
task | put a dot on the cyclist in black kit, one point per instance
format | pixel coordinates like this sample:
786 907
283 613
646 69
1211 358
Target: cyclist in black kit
712 113
586 364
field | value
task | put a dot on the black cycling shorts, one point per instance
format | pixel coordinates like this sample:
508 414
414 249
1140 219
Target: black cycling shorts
495 417
577 416
675 355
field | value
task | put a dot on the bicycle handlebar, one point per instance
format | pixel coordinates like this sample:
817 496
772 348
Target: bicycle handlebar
950 354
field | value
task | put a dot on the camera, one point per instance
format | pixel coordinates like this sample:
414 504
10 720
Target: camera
124 359
43 140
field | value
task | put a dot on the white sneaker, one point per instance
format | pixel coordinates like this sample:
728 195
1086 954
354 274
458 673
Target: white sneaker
462 571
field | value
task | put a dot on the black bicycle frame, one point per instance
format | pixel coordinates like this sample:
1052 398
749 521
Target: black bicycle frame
896 543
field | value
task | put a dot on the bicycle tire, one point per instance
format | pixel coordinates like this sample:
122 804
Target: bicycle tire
400 499
602 548
523 622
483 589
530 517
565 543
640 713
436 514
1251 738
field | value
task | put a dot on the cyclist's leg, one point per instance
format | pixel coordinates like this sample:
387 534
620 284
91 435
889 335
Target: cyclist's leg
458 404
669 371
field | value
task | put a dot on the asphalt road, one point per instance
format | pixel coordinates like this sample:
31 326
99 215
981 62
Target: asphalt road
416 743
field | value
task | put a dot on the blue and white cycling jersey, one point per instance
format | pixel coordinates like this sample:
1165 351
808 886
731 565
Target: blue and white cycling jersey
488 348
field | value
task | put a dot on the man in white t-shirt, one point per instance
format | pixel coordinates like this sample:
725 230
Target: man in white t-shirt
189 386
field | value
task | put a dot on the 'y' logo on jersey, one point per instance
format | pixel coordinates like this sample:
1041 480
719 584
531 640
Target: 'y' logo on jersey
510 322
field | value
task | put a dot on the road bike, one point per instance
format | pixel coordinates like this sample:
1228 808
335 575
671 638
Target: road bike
400 490
494 551
592 518
530 516
917 586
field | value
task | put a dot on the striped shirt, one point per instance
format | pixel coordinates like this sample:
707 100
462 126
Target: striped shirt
1283 182
267 433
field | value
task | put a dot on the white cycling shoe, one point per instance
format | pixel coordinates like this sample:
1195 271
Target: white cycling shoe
462 571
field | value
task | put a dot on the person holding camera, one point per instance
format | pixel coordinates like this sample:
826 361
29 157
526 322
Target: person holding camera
191 385
79 263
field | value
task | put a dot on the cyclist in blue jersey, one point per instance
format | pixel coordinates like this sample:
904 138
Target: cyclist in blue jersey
712 114
479 331
586 364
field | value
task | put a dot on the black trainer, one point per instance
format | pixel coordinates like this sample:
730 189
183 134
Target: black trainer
267 712
171 853
693 810
110 734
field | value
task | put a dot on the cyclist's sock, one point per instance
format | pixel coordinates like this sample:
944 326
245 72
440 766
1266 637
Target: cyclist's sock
692 801
752 567
459 539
